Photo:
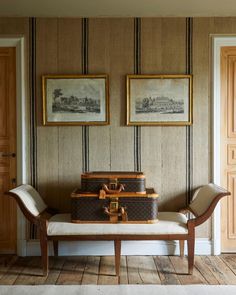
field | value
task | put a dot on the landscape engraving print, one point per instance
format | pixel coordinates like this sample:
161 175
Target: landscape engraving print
75 100
159 105
76 103
157 100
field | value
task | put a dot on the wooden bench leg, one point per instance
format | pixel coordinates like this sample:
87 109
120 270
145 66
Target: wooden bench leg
181 248
55 248
44 254
191 244
117 244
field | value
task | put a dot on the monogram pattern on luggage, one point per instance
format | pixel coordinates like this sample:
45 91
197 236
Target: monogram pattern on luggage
140 210
94 185
134 185
91 208
86 209
91 186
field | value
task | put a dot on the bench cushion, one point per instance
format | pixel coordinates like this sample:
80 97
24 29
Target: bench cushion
169 223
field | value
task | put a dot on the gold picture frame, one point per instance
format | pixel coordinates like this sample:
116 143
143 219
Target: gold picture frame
75 100
164 100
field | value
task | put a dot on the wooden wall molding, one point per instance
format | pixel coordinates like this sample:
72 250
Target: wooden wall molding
231 154
230 105
231 206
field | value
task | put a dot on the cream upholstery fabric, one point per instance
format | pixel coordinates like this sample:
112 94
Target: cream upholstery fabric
31 198
203 198
169 223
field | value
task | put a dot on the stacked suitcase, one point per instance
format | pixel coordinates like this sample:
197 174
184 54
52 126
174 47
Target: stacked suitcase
111 197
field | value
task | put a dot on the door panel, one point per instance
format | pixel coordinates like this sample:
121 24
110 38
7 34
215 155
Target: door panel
228 147
7 147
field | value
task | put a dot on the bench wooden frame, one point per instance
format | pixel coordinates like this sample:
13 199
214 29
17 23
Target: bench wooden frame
41 221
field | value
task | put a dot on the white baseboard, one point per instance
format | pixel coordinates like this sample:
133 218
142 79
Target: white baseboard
103 248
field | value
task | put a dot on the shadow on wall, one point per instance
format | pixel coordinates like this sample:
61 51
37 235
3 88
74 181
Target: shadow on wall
172 203
57 195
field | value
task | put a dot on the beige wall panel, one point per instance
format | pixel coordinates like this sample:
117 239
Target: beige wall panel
70 137
173 141
69 46
47 137
223 25
121 63
151 46
99 61
164 52
151 63
202 28
14 26
70 164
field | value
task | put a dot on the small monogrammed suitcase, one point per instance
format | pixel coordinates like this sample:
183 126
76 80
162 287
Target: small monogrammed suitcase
113 182
123 207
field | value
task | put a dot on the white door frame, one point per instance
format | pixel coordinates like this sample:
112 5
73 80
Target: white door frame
218 41
22 114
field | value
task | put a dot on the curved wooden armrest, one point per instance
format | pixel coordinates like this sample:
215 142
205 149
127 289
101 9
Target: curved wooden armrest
199 219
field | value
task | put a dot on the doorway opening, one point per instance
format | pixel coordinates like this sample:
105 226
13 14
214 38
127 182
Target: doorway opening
22 128
218 43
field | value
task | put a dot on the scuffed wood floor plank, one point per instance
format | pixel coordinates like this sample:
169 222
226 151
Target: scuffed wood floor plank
107 274
72 271
142 270
221 271
230 260
32 273
55 267
166 271
78 270
91 271
11 273
205 271
181 268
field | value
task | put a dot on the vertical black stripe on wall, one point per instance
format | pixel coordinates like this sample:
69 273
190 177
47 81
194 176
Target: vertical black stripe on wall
85 129
189 129
33 130
32 77
137 70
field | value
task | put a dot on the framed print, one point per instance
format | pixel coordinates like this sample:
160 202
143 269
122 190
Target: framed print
75 100
159 99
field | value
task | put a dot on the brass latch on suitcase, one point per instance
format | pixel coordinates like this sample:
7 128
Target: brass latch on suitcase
115 211
113 182
113 187
114 205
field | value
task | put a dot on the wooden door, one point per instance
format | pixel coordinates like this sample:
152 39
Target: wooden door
228 147
7 148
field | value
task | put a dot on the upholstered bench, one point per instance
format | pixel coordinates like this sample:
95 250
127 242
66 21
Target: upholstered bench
171 225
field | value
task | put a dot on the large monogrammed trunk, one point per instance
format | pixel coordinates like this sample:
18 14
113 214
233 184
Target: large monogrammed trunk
113 182
113 208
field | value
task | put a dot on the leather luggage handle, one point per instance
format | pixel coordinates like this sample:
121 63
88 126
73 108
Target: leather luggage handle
122 213
110 191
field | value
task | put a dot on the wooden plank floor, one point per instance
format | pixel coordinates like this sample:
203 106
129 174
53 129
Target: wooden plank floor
166 270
